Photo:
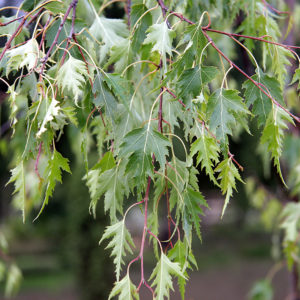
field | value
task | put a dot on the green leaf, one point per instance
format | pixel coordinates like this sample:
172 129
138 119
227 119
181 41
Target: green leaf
261 104
274 132
224 107
112 32
142 143
56 164
262 290
181 254
126 290
207 150
71 76
2 271
28 5
11 28
121 242
228 175
121 55
18 177
103 96
193 200
110 183
161 37
137 10
162 276
191 81
290 221
296 78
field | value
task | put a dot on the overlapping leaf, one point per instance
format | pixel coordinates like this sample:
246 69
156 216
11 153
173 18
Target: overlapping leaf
181 254
192 80
161 37
56 164
141 143
112 32
162 276
225 107
261 103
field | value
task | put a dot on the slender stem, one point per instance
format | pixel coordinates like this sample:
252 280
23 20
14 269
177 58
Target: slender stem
37 161
160 118
8 43
257 84
45 59
11 21
128 11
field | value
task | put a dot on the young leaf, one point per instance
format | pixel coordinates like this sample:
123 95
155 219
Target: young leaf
18 177
162 276
228 174
273 134
71 76
56 164
142 143
207 150
161 37
121 242
125 288
223 107
25 55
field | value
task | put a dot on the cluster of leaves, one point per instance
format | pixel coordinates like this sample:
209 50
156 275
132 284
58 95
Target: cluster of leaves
127 88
